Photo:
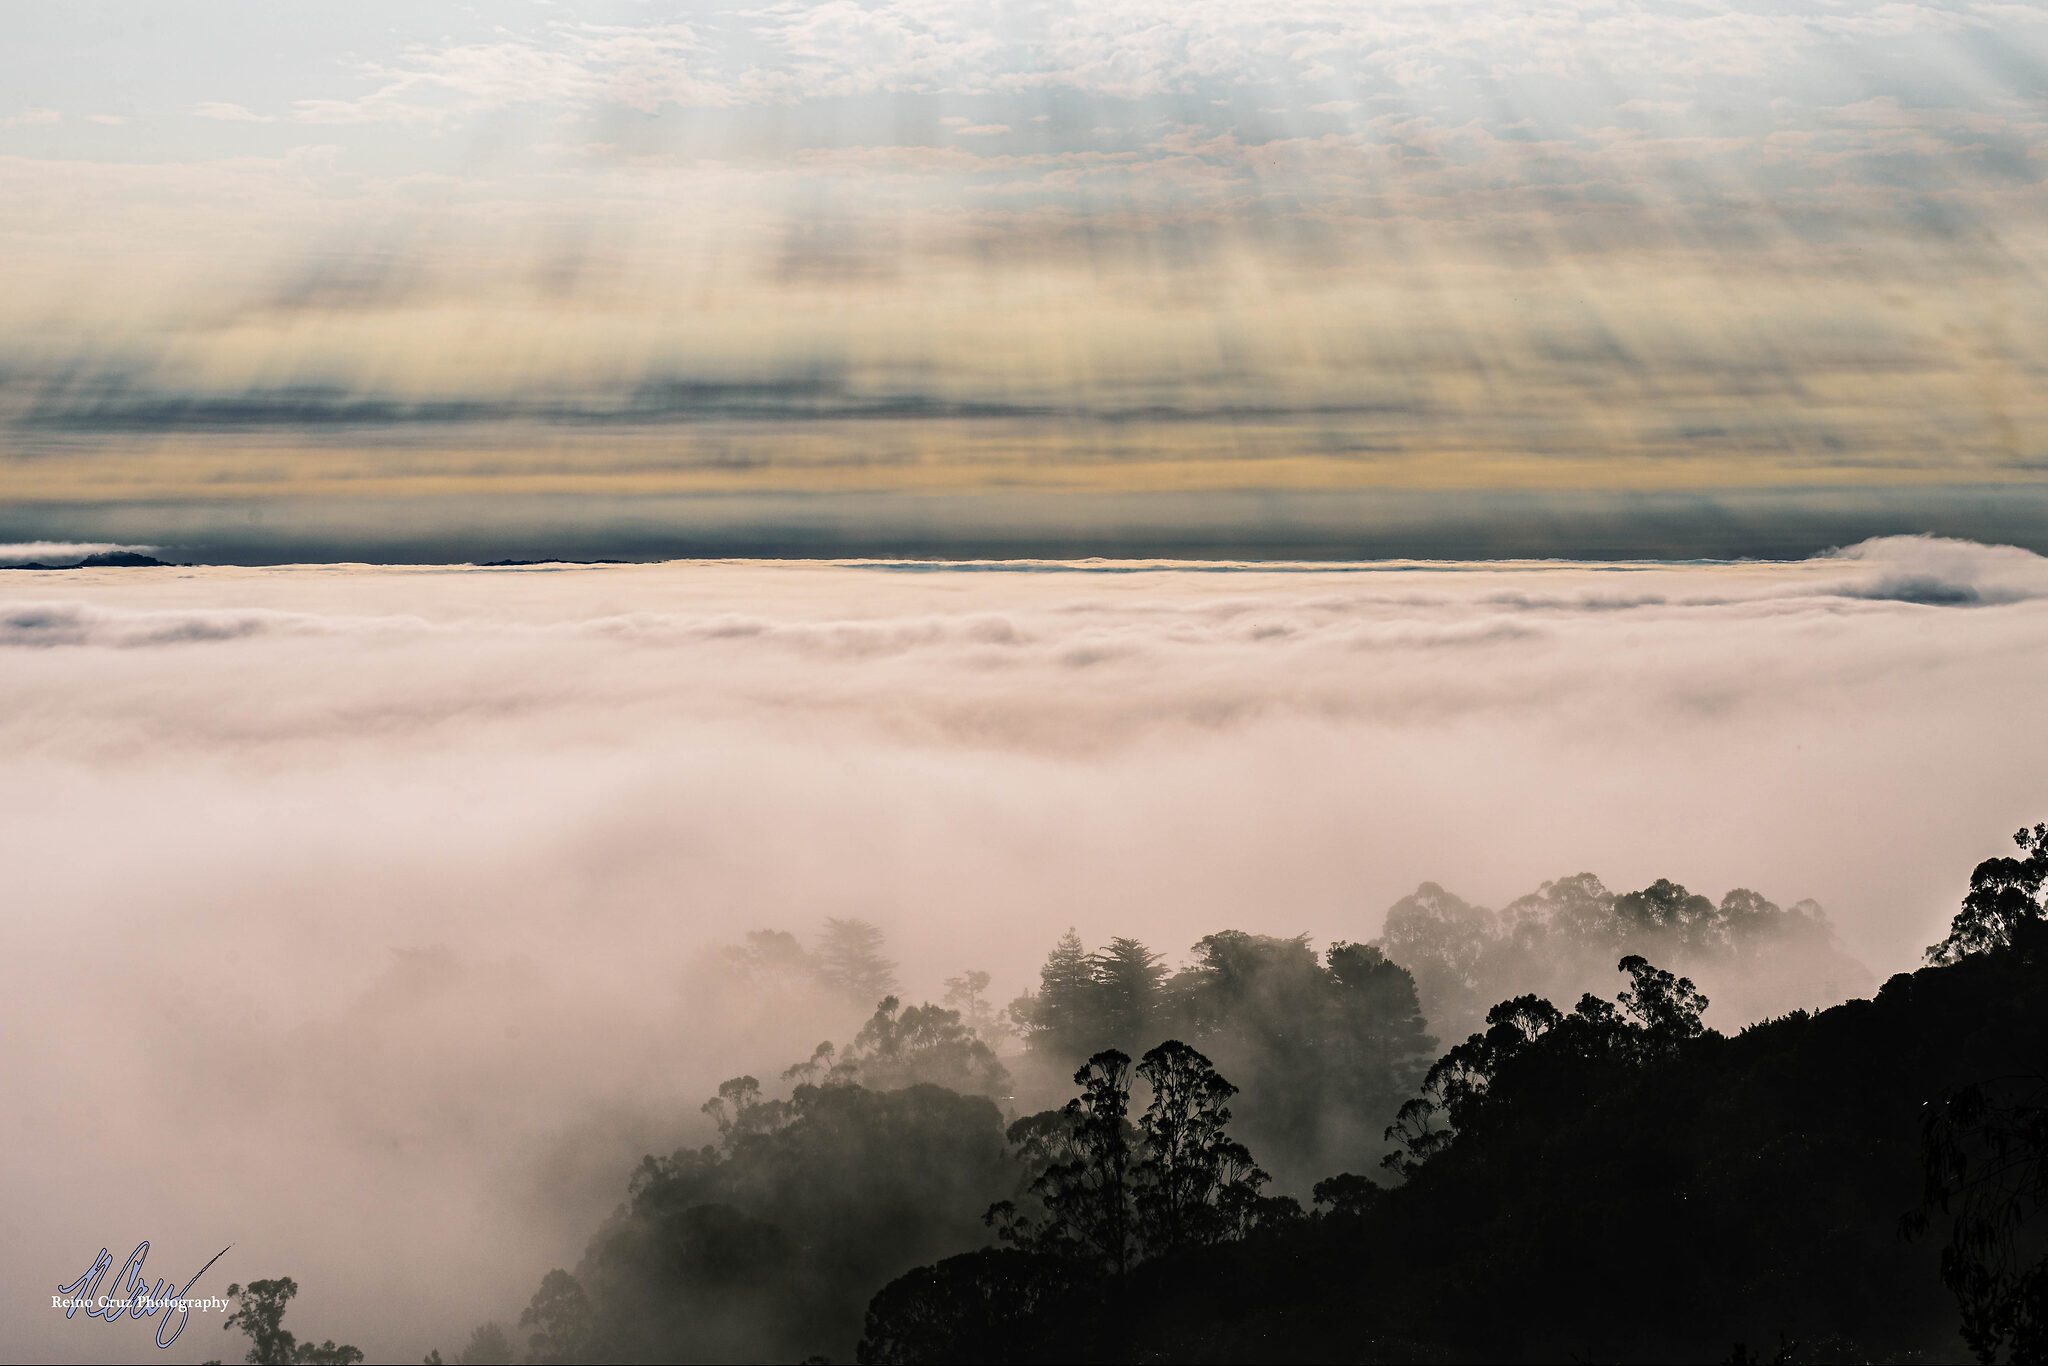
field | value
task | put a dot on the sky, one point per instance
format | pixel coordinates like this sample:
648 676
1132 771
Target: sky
433 281
366 918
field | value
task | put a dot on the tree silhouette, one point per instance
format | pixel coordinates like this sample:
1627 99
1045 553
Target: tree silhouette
991 1305
259 1313
1346 1196
1195 1184
1665 1006
1531 1056
1987 1167
1084 1193
2005 893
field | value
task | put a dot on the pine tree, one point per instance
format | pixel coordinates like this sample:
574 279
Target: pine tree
850 962
1129 995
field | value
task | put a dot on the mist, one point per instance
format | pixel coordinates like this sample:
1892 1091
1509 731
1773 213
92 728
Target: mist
371 918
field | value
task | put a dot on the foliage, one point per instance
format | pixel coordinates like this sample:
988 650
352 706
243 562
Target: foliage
968 994
259 1313
1987 1167
769 1242
1328 1047
1196 1184
1558 942
922 1045
1085 1191
849 961
1531 1052
991 1305
2005 894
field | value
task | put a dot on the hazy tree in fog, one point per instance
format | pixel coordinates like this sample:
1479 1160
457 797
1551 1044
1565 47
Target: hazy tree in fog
1447 943
489 1345
2005 893
738 1109
563 1328
1328 1048
772 956
769 1243
850 962
924 1044
259 1314
1561 940
968 994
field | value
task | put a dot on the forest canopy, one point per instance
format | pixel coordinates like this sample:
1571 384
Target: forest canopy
1263 1152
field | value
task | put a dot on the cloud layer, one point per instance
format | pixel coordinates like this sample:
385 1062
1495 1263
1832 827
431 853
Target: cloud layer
399 882
488 250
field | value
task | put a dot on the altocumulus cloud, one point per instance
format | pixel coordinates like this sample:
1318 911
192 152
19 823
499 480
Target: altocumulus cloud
412 878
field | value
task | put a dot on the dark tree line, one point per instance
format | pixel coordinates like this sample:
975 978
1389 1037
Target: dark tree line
1101 1196
1621 1182
1613 1181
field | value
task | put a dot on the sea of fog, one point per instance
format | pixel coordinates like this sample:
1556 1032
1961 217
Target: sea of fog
366 918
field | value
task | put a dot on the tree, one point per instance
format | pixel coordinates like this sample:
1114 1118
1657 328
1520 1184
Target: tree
850 962
768 1244
1128 991
1666 911
968 994
992 1305
1533 1058
2004 894
1327 1049
1987 1166
1064 1017
1449 944
924 1044
738 1109
771 957
1666 1007
489 1345
1085 1193
564 1330
1378 1043
1195 1184
259 1313
1345 1196
1563 939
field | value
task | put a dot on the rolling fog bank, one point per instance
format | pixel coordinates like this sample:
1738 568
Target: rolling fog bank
372 919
